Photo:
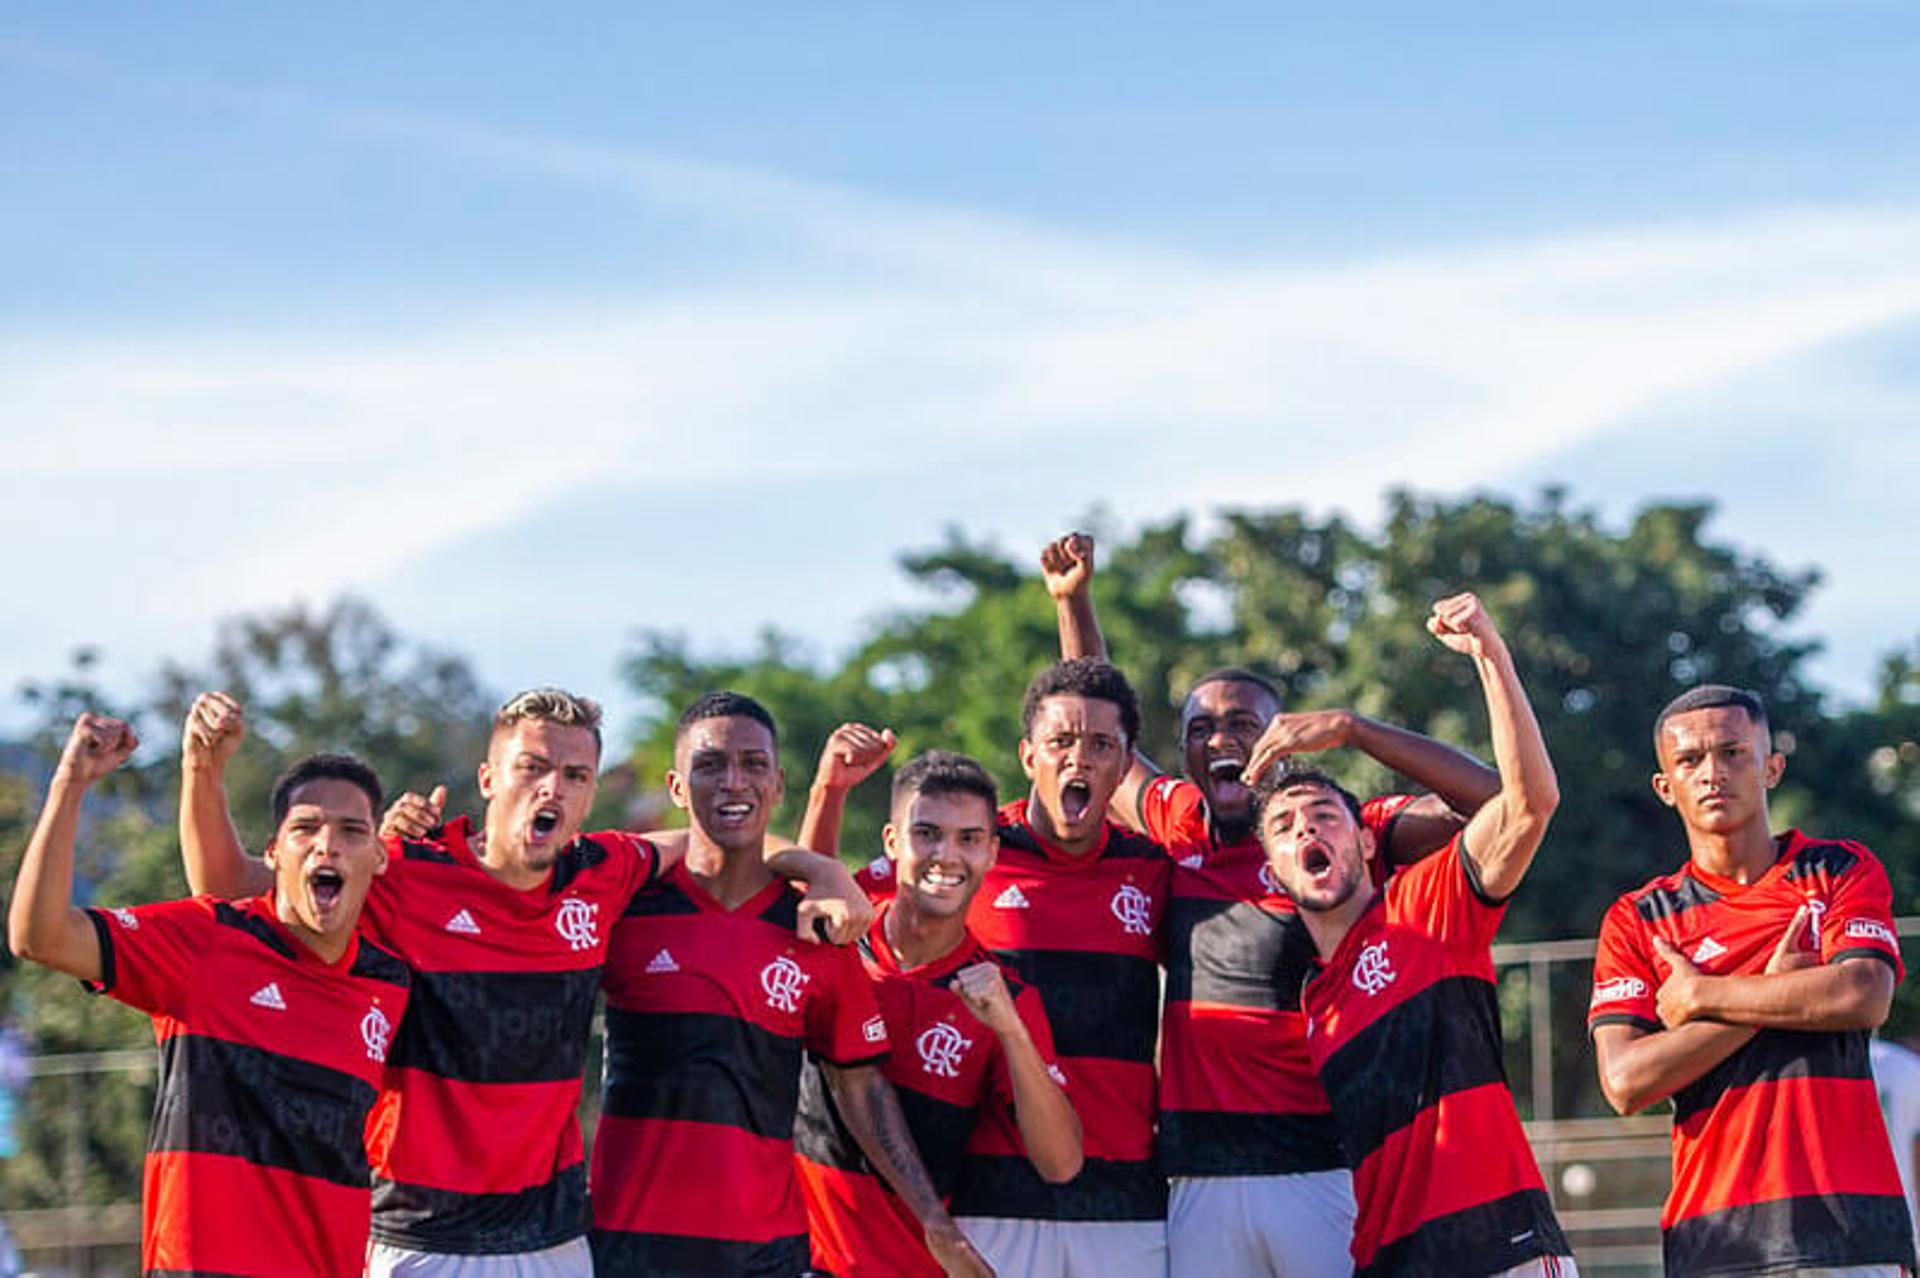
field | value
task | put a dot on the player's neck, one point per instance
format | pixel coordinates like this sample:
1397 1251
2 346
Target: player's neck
1741 855
503 865
328 949
731 876
918 938
1330 927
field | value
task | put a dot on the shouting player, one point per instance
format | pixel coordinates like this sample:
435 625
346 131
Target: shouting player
711 1001
479 1168
967 1034
273 1018
1259 1184
1744 986
1402 1013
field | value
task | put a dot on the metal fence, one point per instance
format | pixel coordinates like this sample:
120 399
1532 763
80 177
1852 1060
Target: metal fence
1608 1174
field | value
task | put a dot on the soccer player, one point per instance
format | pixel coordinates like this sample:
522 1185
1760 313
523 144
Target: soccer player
1259 1184
479 1167
272 1015
711 1001
1074 906
1744 986
1402 1014
967 1034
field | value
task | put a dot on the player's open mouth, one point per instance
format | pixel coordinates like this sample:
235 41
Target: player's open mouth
1227 782
1075 798
326 885
733 811
1315 859
545 822
942 881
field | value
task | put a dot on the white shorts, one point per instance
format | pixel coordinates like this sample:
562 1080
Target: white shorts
1070 1248
1297 1226
1543 1267
571 1259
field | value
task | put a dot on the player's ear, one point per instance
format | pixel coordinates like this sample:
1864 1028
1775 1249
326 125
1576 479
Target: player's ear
890 841
677 789
1664 788
379 856
485 775
993 849
1775 768
271 853
1026 756
1368 844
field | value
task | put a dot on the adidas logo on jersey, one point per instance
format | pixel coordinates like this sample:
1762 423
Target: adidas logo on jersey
1193 862
1011 899
1709 950
268 995
662 962
463 924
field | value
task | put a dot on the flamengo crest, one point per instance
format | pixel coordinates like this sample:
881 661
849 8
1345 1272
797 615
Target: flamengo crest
1134 909
376 1031
941 1049
1371 971
783 980
578 923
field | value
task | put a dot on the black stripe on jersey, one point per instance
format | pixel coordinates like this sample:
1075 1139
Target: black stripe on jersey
1100 1005
1864 951
783 913
1830 1231
498 1027
256 927
1235 954
1007 1186
440 1220
375 964
679 1256
659 900
1646 1023
1489 1238
431 853
1374 1080
109 969
1198 1142
1815 857
1773 1055
1667 903
940 1130
262 1108
581 855
690 1067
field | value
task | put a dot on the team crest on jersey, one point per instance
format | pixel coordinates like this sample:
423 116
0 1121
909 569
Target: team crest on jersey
1372 971
783 980
578 923
1817 913
1267 881
376 1031
125 918
1134 909
942 1048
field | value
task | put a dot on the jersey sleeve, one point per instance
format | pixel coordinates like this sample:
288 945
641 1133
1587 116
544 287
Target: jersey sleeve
1624 981
1380 812
1858 920
1439 894
148 953
1033 1014
1174 812
844 1025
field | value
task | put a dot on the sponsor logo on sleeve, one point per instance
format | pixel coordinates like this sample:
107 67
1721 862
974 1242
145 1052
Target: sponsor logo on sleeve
125 918
1618 990
1871 930
874 1030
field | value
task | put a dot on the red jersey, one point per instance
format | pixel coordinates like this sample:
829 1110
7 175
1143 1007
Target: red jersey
1086 932
708 1013
476 1140
1238 1095
946 1069
1780 1156
270 1060
1404 1027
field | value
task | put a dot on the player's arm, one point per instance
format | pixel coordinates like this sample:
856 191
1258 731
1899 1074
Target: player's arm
1459 782
1502 836
853 753
1851 994
1066 566
835 908
1639 1066
42 921
209 844
872 1113
1049 1126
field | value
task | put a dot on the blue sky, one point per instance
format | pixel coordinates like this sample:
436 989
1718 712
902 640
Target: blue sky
634 317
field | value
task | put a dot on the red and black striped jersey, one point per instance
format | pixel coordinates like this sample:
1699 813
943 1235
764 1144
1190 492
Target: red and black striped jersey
1086 932
1404 1028
270 1061
1780 1158
1238 1095
708 1013
946 1067
476 1139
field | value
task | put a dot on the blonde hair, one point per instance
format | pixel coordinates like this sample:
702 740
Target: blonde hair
550 705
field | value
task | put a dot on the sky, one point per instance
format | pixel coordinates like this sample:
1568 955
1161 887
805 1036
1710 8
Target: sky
538 328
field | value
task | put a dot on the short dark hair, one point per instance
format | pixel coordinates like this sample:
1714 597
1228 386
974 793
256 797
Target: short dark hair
939 772
1279 780
1711 696
725 705
1240 674
1083 677
325 767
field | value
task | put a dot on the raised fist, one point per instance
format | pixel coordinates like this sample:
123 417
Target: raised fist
96 746
1066 564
